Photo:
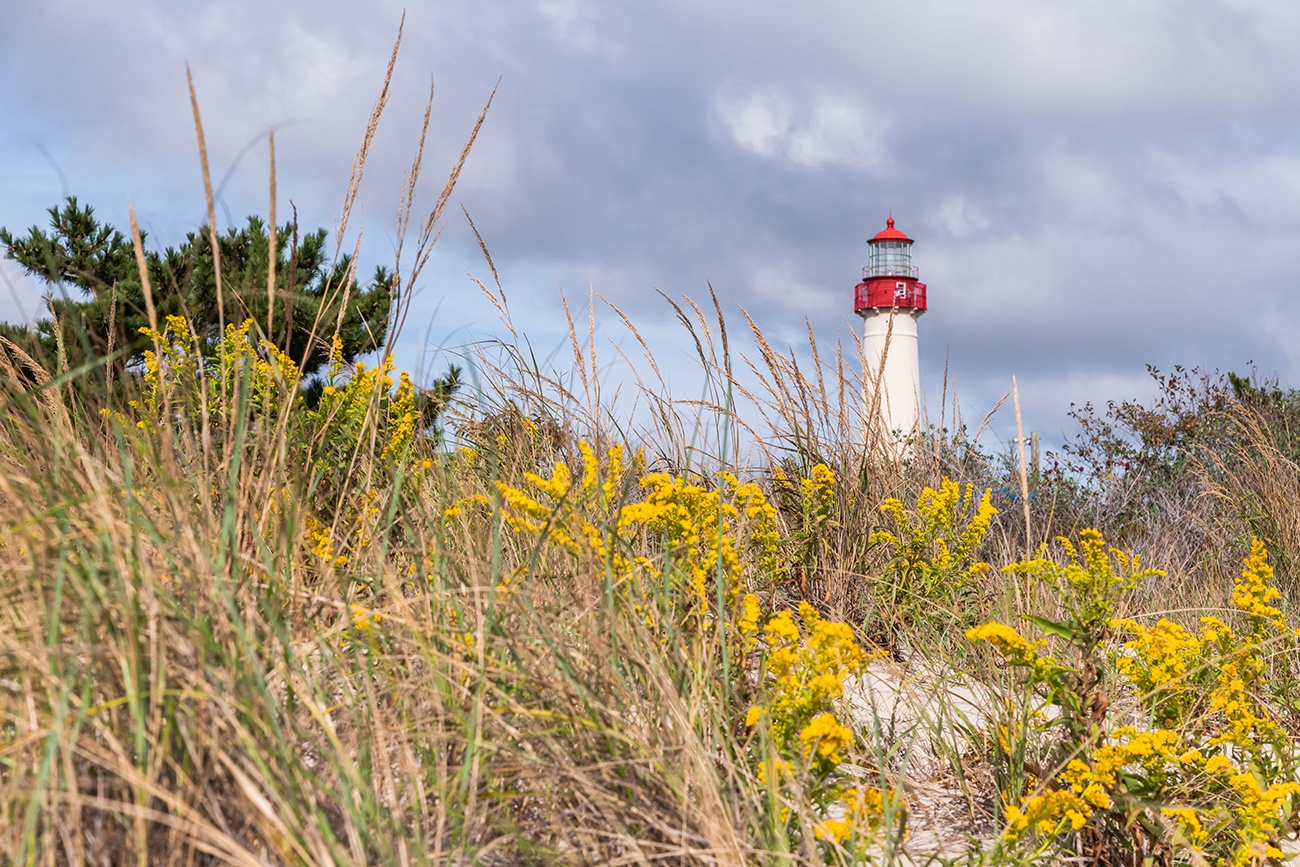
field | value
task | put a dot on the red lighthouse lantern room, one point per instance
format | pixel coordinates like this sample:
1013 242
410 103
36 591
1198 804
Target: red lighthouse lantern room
889 280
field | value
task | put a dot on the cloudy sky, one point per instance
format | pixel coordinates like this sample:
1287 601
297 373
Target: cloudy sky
1093 185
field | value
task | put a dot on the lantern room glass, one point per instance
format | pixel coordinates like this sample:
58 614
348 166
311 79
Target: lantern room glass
890 258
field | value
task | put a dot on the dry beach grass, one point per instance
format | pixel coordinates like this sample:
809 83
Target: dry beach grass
239 630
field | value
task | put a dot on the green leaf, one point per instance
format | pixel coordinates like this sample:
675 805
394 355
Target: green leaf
1060 630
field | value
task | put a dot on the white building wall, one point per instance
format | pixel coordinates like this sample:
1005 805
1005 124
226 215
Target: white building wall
900 380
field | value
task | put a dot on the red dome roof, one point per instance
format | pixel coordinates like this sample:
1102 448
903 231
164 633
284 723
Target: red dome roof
889 233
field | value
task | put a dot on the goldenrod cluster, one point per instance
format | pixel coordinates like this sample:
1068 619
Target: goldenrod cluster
1211 682
806 673
934 553
176 353
695 525
859 808
759 516
1045 814
460 507
1199 793
236 358
710 539
809 511
575 517
1018 651
1162 663
321 539
747 621
806 664
1216 767
355 401
178 382
818 495
1093 578
364 618
1260 818
1254 592
362 412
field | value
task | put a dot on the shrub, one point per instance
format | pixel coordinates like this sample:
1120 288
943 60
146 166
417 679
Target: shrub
1208 772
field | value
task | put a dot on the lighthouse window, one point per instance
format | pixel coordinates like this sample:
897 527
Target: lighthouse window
891 257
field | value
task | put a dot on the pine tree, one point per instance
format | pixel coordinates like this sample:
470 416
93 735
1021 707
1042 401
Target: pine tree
98 261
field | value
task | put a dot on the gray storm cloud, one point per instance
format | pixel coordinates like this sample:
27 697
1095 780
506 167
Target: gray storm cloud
1092 186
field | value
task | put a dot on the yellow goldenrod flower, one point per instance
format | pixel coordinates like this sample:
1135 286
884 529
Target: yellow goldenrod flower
825 737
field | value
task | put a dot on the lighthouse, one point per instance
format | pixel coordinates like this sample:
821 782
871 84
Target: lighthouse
890 299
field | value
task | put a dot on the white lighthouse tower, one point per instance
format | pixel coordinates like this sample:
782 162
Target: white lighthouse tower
891 300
